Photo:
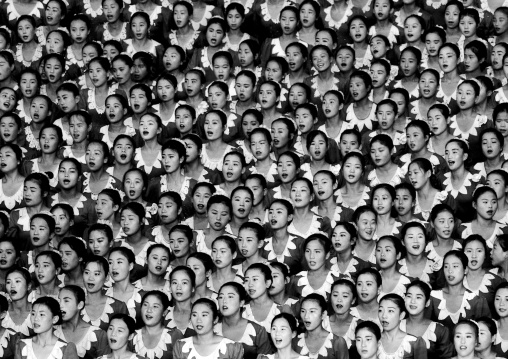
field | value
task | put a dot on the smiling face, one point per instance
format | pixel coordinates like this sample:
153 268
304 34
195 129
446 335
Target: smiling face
415 301
415 241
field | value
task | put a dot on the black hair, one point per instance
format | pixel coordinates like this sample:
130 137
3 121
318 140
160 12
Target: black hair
127 319
53 306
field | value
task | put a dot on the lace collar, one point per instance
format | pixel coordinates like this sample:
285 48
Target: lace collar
290 246
23 328
324 290
13 14
351 267
436 4
448 186
235 47
87 189
267 322
374 180
140 258
207 16
314 85
213 164
159 350
392 36
337 24
36 57
106 35
403 349
153 16
479 121
399 289
314 227
140 161
89 11
173 39
353 121
445 313
428 336
56 352
266 14
322 352
438 198
131 50
183 191
30 138
92 104
247 6
104 131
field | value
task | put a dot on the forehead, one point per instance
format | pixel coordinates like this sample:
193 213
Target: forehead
95 147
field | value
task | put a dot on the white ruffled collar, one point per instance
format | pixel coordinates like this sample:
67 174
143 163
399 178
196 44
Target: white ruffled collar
500 341
438 198
479 121
36 57
436 4
266 14
290 246
173 39
353 121
314 227
443 310
267 322
484 285
92 104
337 24
106 35
404 348
56 352
23 328
90 11
435 257
140 161
183 191
248 335
160 348
448 186
85 344
13 14
104 317
430 267
324 290
322 352
428 336
204 20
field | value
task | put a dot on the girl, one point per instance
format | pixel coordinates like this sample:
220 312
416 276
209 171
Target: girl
389 250
184 35
487 332
245 85
8 254
121 261
342 323
242 202
232 171
153 308
309 18
353 193
224 251
465 338
497 179
11 185
416 264
318 279
325 183
367 336
477 279
106 207
289 19
35 193
492 144
438 117
28 51
468 123
120 329
252 336
54 69
452 12
496 70
499 256
116 111
454 302
365 219
141 26
288 170
181 241
29 83
428 86
218 94
114 28
449 57
48 265
383 199
316 338
260 143
204 316
343 239
500 305
358 32
42 228
64 218
99 308
485 204
202 266
401 98
428 193
434 38
121 69
235 16
124 147
73 252
18 284
442 220
459 182
332 104
361 113
69 174
193 166
178 317
367 283
385 170
90 341
98 179
393 339
435 335
166 90
46 314
218 211
89 51
132 218
297 55
475 56
135 182
410 60
149 156
305 222
79 28
261 309
201 193
50 141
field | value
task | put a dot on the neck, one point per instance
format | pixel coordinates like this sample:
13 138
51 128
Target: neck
280 234
80 146
97 175
48 288
410 8
135 238
459 173
72 324
391 335
75 275
494 162
116 127
44 339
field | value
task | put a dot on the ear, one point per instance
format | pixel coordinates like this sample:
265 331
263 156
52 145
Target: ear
131 266
327 255
427 304
260 244
159 130
55 320
290 218
402 315
78 98
81 305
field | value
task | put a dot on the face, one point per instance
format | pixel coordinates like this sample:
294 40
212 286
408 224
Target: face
476 253
308 15
471 61
232 168
179 244
358 89
49 140
382 9
437 121
70 259
139 70
130 222
79 31
415 241
304 120
378 47
418 177
345 60
280 134
249 123
358 31
158 261
199 269
192 84
28 85
367 226
455 156
234 19
172 59
485 337
428 85
114 110
45 270
39 110
192 152
248 243
242 204
245 55
260 146
79 129
32 194
416 139
267 96
324 38
119 267
112 10
288 22
98 243
413 29
123 151
404 202
366 288
244 88
118 334
63 222
382 201
491 147
401 103
67 101
278 216
467 26
255 283
98 74
152 311
218 216
366 343
120 71
389 315
7 99
26 31
432 43
148 127
214 35
95 157
408 63
447 59
139 28
200 199
379 75
213 127
380 154
501 302
257 189
486 205
104 207
42 319
386 254
7 255
321 60
415 301
221 69
348 143
281 333
315 255
453 270
323 186
222 255
273 72
133 185
311 314
55 43
181 16
286 168
181 286
94 277
16 286
466 96
168 210
229 301
88 53
497 254
184 120
69 304
464 340
353 170
385 115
